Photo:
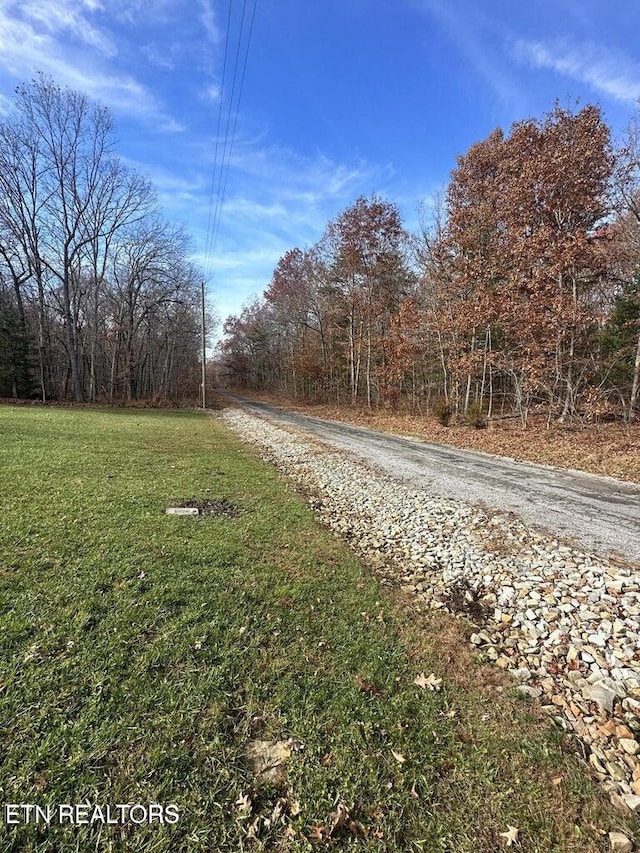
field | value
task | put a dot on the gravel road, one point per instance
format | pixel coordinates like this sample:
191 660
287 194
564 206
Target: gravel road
599 513
564 622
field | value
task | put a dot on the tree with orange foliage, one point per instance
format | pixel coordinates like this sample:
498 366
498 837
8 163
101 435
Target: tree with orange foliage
522 210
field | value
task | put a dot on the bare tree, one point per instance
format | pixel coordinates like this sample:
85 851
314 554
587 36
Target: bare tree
87 252
75 140
627 249
150 272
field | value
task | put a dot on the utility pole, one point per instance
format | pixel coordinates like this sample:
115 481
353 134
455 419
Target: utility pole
204 355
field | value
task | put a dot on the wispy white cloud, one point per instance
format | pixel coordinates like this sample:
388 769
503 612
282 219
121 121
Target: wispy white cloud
254 210
208 19
606 70
278 199
68 17
311 180
158 56
170 125
5 105
212 93
134 12
472 30
29 43
264 258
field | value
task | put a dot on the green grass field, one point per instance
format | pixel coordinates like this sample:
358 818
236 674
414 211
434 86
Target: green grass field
141 654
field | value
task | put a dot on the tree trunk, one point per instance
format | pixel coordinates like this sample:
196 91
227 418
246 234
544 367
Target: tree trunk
369 368
71 341
635 386
444 367
467 394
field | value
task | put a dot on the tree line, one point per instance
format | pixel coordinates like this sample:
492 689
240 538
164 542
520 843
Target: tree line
520 294
98 297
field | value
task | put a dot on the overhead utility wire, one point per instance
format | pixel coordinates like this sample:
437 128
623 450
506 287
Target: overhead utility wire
221 167
207 250
226 167
216 213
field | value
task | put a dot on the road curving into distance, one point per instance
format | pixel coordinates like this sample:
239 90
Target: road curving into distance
599 513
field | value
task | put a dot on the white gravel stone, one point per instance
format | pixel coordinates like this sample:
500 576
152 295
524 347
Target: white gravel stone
620 843
574 615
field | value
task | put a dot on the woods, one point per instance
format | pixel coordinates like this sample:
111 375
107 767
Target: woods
98 297
520 295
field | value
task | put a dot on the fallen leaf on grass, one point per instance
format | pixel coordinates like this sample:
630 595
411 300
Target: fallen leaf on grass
277 815
356 828
510 836
368 687
294 808
428 682
268 760
254 828
338 819
399 757
33 653
317 833
450 715
295 744
244 805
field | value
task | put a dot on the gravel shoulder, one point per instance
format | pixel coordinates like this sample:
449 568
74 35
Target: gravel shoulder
594 512
563 621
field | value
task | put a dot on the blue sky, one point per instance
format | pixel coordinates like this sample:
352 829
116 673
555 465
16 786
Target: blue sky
341 98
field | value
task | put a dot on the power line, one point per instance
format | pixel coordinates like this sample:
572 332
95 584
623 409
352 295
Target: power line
216 215
215 155
221 167
235 125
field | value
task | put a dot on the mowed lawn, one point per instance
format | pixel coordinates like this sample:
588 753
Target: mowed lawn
143 655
